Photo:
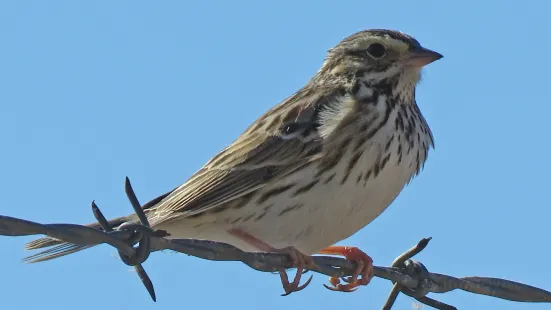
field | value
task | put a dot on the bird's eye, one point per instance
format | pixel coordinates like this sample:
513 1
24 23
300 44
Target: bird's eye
376 50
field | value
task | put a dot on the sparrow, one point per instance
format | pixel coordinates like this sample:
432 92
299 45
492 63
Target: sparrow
314 169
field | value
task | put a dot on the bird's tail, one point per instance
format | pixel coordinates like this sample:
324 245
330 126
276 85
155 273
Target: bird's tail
58 248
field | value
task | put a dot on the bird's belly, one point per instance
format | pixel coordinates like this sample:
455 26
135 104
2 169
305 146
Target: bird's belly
331 210
335 210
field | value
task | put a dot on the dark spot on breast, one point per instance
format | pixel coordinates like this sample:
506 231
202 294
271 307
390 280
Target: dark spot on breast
274 192
384 161
412 120
376 170
367 175
305 188
360 142
248 217
389 143
371 133
304 233
399 122
413 111
409 130
290 208
405 111
344 144
236 220
351 165
329 162
343 180
329 178
263 214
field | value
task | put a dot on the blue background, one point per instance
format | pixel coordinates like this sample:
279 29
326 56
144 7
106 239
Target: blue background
92 91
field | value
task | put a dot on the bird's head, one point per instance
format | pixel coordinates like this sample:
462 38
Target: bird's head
379 56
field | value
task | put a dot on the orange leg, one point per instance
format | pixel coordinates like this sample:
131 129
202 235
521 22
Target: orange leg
301 261
364 268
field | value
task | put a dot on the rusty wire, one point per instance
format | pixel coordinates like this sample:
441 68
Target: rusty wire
409 276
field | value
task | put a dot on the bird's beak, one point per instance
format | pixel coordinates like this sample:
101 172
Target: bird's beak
421 57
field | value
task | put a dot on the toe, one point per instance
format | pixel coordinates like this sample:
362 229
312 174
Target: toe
293 254
362 273
300 261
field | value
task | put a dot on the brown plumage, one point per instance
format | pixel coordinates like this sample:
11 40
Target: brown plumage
314 169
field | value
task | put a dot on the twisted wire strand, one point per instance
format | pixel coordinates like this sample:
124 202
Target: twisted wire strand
409 276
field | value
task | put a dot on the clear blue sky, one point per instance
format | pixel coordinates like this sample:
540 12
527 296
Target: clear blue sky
92 92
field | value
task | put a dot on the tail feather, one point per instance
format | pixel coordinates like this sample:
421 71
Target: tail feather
42 243
62 248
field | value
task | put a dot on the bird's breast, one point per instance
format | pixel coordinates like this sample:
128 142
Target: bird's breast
337 196
328 200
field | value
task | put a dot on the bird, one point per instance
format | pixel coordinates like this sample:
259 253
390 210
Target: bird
314 169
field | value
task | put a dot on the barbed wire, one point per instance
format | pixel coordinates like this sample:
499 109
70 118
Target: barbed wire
409 276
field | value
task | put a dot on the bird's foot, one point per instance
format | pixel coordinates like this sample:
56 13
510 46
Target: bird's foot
364 268
301 261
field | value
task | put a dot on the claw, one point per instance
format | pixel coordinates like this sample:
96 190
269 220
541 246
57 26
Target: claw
302 262
341 288
364 268
290 287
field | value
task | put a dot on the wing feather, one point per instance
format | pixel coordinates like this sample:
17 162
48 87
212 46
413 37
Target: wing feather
267 150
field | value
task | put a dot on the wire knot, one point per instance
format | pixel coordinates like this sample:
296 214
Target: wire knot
417 270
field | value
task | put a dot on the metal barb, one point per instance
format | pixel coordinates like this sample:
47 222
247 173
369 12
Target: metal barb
143 249
409 277
403 262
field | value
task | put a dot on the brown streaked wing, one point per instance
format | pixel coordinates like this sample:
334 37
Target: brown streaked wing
257 157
